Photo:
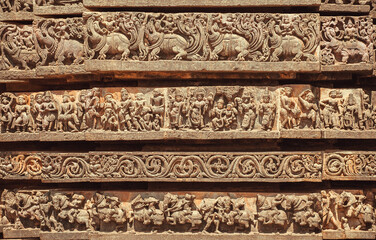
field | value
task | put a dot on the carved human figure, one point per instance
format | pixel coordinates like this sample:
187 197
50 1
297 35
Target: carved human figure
248 109
109 119
330 216
290 112
92 118
351 114
197 109
148 212
6 112
126 106
176 110
332 111
157 102
81 109
36 108
217 114
309 108
366 121
181 210
140 113
23 120
49 112
267 111
270 211
67 118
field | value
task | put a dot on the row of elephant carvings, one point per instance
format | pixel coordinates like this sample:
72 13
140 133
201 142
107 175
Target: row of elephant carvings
281 166
192 108
134 36
310 213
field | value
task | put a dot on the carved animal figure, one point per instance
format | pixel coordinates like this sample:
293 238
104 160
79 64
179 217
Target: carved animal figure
53 44
14 51
103 38
286 39
345 49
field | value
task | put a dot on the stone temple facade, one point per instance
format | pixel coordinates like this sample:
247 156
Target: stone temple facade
187 119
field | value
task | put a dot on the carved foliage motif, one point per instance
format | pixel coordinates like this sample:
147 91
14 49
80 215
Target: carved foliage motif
309 213
350 165
20 165
199 166
347 40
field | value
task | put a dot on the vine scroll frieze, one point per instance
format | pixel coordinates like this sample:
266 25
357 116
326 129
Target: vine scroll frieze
144 166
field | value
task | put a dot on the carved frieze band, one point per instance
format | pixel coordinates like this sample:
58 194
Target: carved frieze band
144 166
134 40
326 213
169 113
350 166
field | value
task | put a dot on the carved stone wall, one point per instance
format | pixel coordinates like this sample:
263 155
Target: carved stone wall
210 119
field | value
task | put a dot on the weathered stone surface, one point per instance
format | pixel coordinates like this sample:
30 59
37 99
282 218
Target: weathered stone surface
349 166
167 167
211 112
91 215
197 3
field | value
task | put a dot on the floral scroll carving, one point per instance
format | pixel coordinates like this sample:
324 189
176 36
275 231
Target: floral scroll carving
20 165
171 166
346 165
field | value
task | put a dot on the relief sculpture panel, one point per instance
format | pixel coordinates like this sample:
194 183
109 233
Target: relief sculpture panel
346 40
49 212
154 166
226 111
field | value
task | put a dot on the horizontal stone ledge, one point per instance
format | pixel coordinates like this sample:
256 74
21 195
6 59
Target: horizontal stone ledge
199 66
348 67
198 3
350 8
76 9
174 236
165 135
332 234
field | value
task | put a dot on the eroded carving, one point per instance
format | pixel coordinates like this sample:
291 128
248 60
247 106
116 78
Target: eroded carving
346 40
347 210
